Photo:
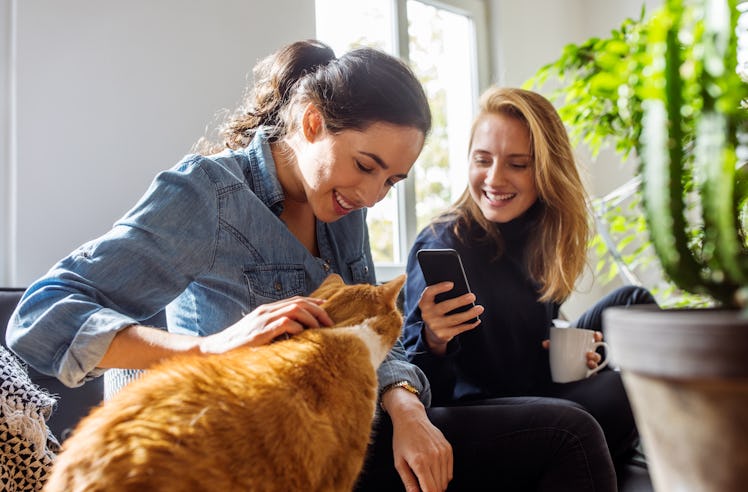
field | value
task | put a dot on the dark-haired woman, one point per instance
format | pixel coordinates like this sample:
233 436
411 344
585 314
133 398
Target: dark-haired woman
231 240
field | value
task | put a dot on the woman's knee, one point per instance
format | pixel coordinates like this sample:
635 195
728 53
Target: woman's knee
631 295
580 458
576 420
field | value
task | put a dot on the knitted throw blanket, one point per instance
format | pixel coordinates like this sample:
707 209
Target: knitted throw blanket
27 447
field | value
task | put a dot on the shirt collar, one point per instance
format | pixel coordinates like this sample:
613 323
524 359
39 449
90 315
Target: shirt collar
263 173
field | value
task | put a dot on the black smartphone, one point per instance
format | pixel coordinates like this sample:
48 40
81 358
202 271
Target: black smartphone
442 265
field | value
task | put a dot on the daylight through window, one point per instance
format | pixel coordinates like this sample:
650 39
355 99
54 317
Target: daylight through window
439 41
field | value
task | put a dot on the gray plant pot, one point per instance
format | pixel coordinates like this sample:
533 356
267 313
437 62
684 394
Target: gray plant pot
686 374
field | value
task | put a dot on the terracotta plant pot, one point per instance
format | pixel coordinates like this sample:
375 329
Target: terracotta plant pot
686 374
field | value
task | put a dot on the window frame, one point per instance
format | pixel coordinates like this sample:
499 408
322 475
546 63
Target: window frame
477 12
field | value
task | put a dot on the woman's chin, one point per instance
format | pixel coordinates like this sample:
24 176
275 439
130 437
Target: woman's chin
499 214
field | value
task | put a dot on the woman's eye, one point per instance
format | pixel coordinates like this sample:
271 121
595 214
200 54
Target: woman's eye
518 165
363 168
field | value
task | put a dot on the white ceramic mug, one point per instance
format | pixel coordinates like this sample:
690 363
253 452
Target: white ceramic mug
568 354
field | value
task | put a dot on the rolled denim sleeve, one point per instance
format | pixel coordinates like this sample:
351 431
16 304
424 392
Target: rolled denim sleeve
397 368
66 321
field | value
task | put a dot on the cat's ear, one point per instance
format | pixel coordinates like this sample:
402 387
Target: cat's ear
392 288
333 280
331 284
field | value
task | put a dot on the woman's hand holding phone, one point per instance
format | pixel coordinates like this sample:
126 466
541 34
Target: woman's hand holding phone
439 326
447 305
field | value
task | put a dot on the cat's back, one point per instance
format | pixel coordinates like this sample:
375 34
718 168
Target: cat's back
294 415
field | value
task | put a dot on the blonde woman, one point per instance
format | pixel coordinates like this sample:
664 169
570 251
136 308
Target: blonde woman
521 228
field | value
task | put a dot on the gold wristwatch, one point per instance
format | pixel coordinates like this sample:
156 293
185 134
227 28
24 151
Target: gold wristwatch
398 384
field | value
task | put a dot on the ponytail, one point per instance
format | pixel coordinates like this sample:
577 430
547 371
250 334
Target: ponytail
274 79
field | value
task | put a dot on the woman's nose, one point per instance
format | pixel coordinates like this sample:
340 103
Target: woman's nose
368 195
495 174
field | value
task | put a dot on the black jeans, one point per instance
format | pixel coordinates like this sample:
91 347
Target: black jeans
507 444
562 439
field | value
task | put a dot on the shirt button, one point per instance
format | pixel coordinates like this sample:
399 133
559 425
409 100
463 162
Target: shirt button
326 266
366 269
278 286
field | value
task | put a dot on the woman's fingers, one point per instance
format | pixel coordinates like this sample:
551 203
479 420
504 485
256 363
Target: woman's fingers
307 311
593 359
270 321
308 314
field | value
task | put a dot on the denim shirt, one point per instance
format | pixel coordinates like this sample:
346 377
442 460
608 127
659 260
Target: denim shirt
206 243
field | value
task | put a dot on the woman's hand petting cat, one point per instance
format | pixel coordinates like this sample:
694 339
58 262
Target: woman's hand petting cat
440 329
267 322
423 456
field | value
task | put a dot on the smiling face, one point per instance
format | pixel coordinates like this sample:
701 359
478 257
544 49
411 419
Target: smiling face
352 169
502 176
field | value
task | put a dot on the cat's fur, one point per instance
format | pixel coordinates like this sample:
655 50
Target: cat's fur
295 415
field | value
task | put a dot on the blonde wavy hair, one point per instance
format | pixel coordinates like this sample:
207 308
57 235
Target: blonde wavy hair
557 253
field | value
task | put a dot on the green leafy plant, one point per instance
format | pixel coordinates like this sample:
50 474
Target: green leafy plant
596 87
608 93
599 81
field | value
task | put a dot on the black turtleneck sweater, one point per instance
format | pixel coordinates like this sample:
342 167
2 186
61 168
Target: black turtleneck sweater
503 355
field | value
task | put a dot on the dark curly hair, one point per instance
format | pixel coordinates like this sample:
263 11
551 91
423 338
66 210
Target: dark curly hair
362 87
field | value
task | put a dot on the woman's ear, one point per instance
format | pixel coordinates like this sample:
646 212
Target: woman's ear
312 123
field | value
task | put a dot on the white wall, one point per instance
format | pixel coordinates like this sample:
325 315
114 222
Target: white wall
108 93
530 33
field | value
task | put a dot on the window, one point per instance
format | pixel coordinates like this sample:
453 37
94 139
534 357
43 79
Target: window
444 43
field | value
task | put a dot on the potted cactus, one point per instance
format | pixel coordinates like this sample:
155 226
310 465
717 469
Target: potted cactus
686 369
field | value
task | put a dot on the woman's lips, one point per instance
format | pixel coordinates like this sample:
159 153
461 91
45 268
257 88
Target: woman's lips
342 206
498 198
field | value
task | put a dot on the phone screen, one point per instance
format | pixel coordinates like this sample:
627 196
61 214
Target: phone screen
442 265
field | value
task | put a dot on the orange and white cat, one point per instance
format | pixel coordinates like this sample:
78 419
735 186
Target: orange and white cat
295 415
